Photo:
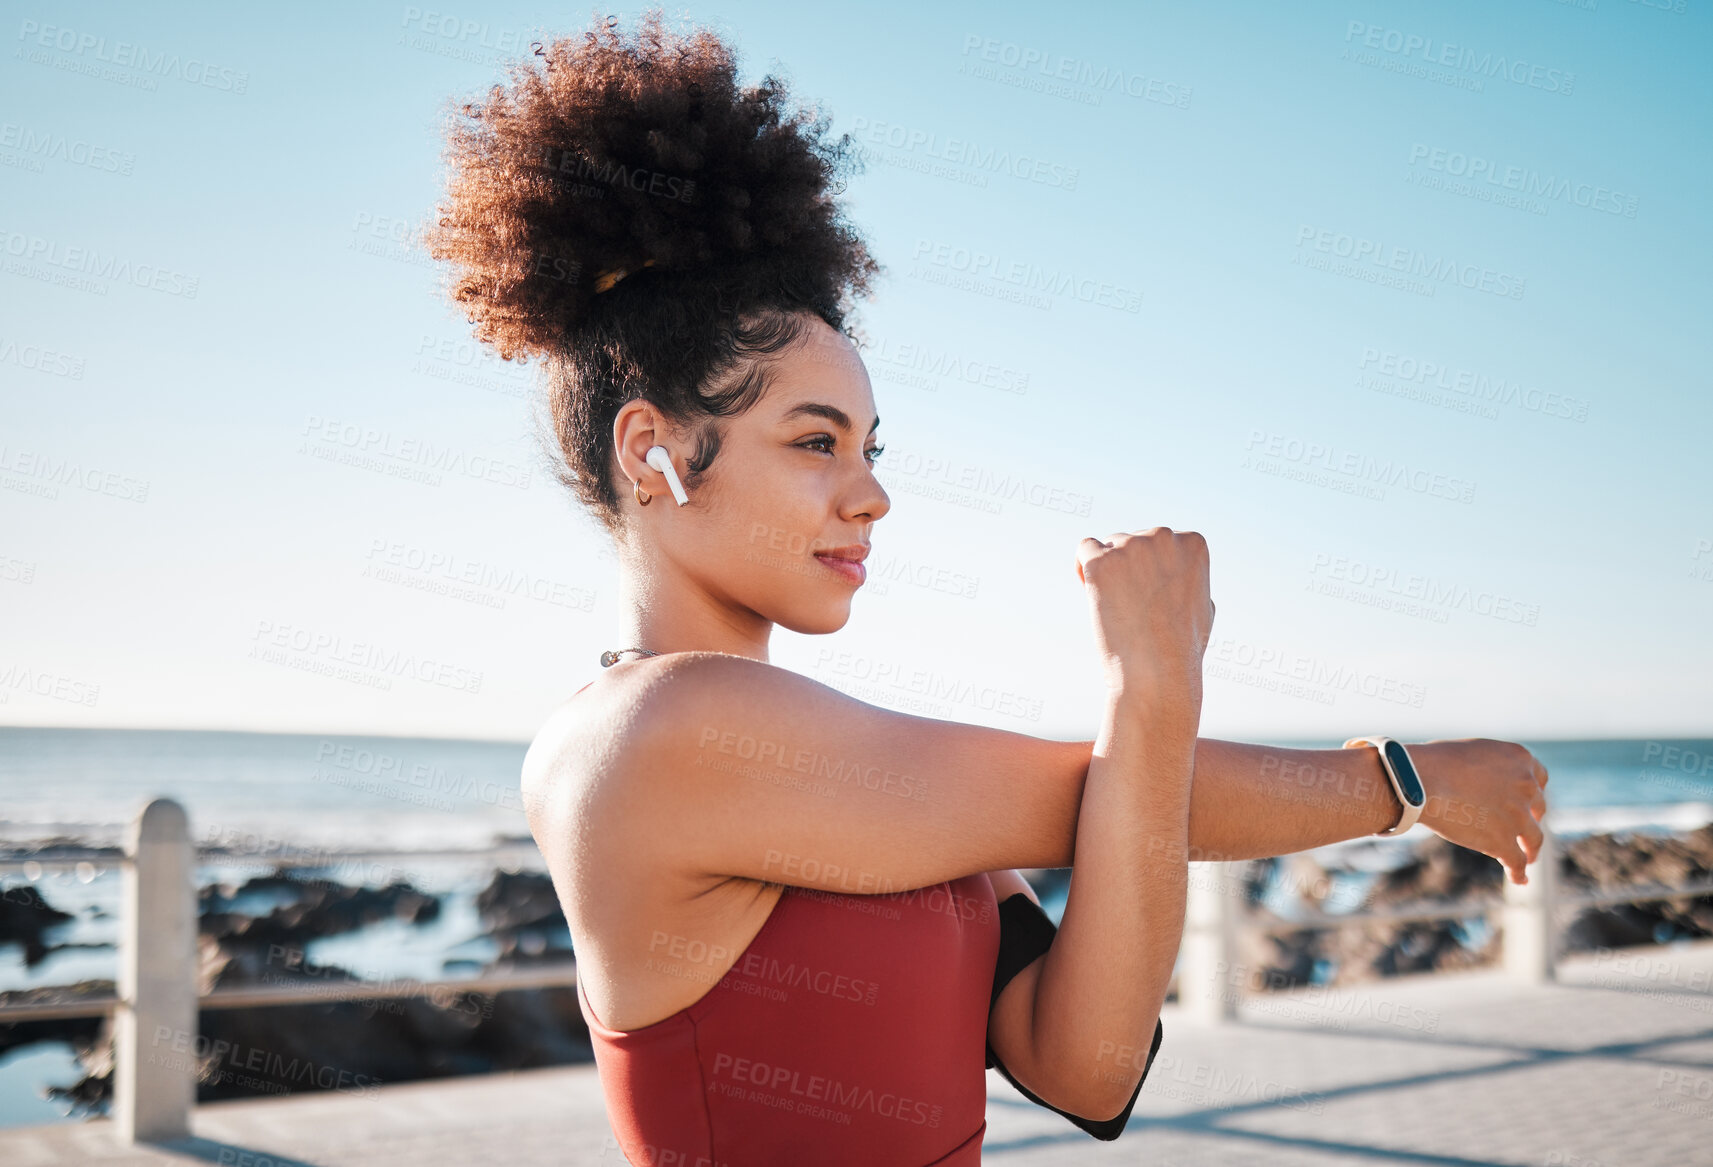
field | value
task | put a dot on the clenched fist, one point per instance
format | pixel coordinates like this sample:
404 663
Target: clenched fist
1152 613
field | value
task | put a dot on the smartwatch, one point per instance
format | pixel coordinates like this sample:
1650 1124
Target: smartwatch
1406 783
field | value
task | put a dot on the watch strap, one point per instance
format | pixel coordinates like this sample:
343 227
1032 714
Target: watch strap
1411 812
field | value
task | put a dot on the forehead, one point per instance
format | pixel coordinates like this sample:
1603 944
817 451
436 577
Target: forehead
824 369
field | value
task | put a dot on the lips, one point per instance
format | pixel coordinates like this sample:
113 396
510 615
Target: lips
846 561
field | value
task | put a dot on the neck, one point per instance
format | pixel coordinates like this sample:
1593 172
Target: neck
678 617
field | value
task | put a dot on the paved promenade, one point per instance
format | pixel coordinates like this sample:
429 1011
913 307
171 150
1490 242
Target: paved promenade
1613 1065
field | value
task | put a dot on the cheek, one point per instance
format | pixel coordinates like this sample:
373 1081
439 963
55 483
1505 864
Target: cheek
780 522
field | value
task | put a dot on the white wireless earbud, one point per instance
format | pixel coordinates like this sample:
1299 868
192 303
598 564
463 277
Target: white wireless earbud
658 458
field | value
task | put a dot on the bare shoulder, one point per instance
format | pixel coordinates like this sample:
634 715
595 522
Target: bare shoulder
574 773
598 821
613 708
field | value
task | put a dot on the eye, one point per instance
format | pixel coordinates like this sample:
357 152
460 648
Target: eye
827 441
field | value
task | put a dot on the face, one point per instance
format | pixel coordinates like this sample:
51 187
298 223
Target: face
791 498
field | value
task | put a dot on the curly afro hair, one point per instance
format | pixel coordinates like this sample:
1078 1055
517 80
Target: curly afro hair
629 213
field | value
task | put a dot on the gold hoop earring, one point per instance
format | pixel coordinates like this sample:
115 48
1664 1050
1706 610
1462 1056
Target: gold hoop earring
643 498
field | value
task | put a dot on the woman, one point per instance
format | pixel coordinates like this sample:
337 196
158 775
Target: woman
800 931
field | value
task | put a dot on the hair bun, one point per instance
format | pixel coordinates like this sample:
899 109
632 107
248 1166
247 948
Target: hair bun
608 156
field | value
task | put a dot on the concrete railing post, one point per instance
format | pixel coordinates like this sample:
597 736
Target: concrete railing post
1208 981
154 1072
1528 944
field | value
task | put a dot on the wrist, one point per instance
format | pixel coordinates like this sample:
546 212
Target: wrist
1404 795
1157 704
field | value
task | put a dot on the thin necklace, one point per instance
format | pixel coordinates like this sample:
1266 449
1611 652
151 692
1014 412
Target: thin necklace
610 657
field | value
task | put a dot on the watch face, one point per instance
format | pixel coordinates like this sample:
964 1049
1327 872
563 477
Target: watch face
1407 779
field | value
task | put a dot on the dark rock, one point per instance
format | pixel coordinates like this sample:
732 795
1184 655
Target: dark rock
520 911
1438 872
82 1032
334 1043
1609 861
315 908
24 917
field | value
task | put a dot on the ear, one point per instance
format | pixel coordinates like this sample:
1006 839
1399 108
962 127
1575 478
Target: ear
636 428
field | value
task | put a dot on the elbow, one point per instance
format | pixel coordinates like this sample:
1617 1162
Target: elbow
1099 1094
1100 1091
1104 1105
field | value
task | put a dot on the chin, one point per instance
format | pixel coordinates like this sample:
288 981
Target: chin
817 620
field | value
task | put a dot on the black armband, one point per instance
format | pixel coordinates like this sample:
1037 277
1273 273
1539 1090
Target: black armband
1025 934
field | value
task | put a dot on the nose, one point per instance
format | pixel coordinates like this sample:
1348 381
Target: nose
870 500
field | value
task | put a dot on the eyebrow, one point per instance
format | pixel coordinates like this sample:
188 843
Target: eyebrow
831 412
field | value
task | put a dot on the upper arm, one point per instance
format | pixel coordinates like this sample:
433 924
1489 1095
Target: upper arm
1028 935
725 766
1011 1022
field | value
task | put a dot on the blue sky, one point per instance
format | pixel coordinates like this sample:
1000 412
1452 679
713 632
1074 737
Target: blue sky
1402 306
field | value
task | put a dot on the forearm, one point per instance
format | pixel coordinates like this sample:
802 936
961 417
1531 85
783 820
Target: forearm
1103 981
1251 801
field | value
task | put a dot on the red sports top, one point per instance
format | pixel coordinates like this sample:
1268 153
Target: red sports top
852 1030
